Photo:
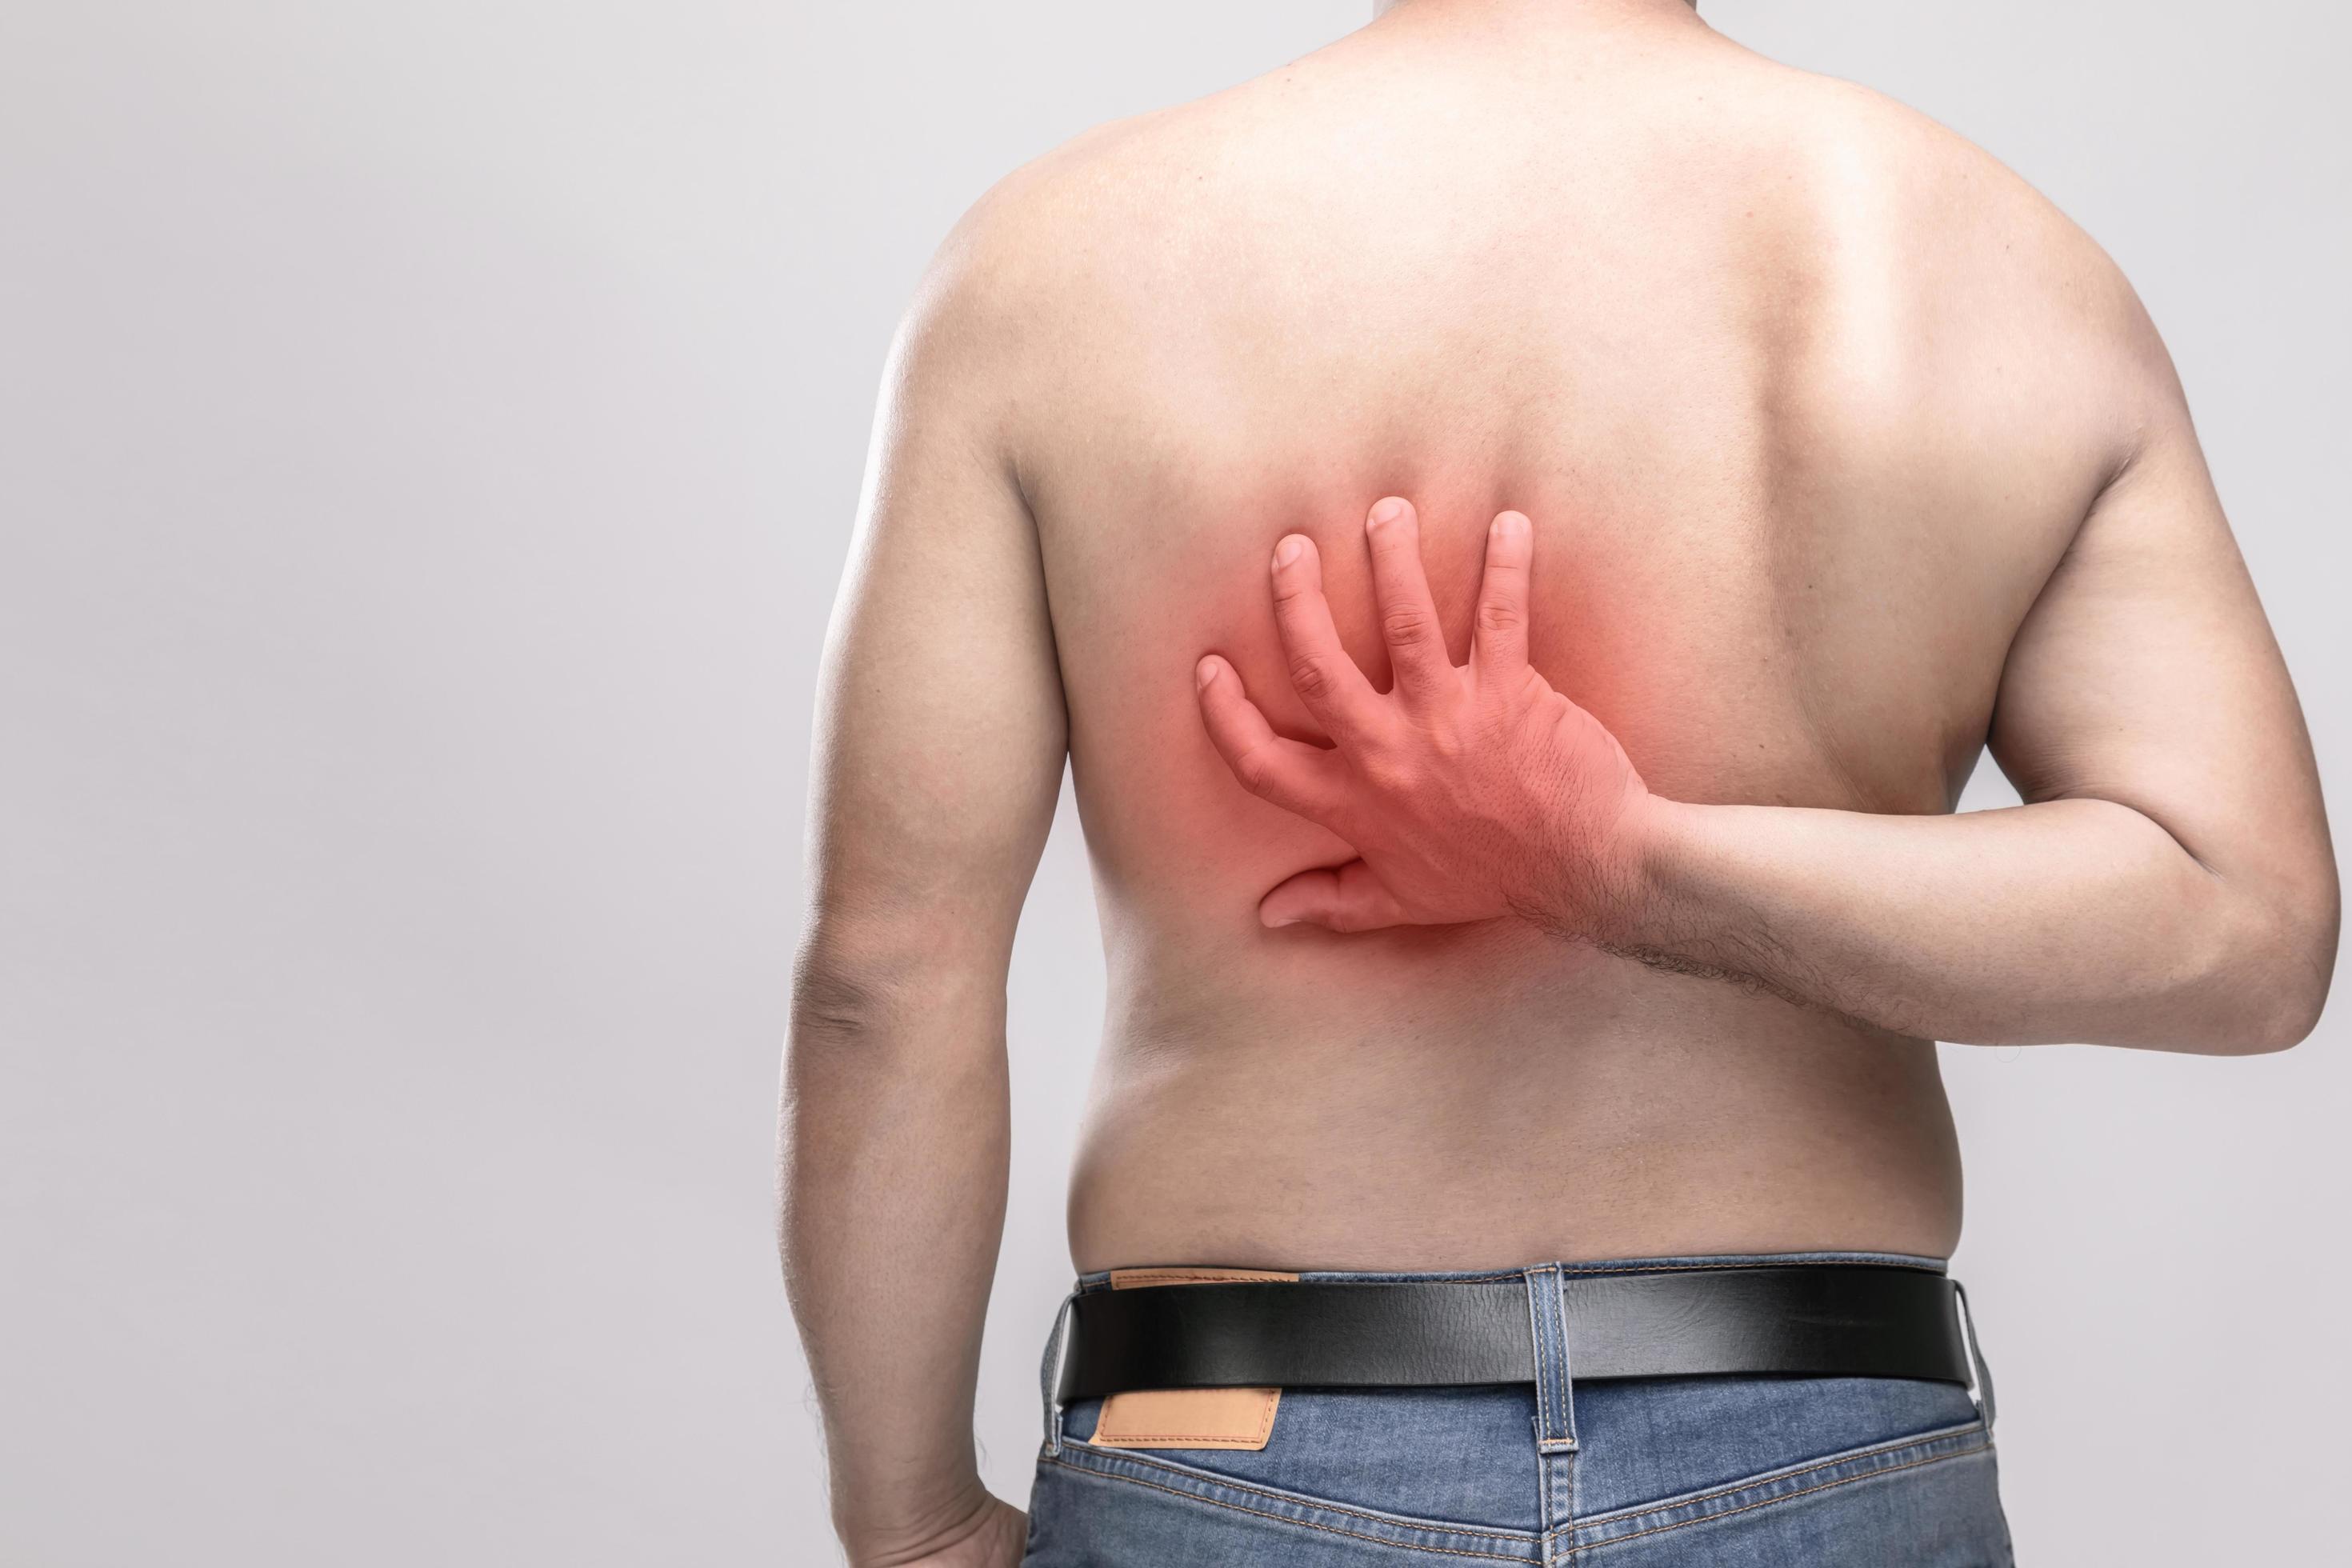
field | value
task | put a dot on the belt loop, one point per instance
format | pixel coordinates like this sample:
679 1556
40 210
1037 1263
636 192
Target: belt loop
1049 1377
1981 1389
1555 1388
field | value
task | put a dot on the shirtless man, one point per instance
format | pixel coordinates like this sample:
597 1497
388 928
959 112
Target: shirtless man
1768 452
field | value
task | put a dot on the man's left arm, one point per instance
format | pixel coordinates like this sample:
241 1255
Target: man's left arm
939 744
2168 883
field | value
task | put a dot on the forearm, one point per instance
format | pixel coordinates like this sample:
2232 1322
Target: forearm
896 1132
2065 920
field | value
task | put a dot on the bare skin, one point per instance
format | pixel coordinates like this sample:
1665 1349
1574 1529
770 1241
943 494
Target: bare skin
1844 459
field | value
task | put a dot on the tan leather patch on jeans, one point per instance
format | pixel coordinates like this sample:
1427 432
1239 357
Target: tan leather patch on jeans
1187 1417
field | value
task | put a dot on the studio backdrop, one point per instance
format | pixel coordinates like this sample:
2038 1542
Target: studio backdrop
429 435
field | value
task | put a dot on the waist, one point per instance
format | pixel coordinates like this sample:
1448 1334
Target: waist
1441 1150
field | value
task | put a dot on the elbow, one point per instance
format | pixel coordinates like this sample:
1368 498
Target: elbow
2288 964
2275 1024
836 997
2291 1012
875 991
2290 1025
855 990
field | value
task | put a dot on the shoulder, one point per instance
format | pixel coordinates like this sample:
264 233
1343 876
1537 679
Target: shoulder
1066 221
1000 295
1068 273
1952 204
1995 290
1116 213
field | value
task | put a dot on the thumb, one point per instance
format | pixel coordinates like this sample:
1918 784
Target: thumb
1341 898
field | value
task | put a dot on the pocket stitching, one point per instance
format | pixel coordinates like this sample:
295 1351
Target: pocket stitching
1765 1477
1298 1499
1304 1523
1983 1448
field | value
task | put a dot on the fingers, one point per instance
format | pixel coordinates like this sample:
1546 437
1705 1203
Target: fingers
1327 679
1345 898
1292 774
1498 645
1408 615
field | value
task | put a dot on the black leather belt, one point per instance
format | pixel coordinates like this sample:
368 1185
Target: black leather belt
1805 1320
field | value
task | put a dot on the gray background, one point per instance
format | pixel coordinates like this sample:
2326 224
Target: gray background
428 438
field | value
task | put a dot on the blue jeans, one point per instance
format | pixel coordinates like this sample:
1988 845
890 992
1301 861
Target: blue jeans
1731 1472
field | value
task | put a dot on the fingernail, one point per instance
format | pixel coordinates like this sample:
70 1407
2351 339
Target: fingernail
1202 673
1288 551
1286 921
1509 525
1388 510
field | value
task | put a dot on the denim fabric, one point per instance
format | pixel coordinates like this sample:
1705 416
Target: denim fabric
1732 1472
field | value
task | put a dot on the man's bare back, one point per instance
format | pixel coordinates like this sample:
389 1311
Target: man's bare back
1808 398
1847 457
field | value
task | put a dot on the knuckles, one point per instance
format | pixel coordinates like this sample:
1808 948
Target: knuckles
1311 675
1404 625
1385 772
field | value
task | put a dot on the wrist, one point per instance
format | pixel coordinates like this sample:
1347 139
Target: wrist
1633 891
895 1531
